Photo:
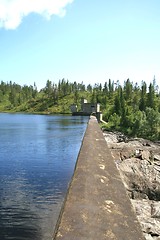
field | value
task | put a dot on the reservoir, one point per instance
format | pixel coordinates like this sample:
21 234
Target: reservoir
37 159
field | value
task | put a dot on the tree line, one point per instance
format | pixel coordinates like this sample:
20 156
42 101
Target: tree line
12 94
130 108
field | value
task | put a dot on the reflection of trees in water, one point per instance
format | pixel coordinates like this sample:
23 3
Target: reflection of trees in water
66 121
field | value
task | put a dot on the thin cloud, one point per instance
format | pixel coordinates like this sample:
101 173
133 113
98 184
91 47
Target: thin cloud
12 12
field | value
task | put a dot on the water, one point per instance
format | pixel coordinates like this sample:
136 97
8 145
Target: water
37 159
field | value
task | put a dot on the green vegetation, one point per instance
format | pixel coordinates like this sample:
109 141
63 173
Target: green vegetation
131 109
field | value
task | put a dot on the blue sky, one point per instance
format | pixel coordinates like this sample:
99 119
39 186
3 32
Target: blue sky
79 40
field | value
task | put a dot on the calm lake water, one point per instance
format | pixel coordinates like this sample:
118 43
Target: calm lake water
37 159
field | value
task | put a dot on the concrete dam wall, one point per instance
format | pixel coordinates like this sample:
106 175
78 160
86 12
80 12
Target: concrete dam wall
97 205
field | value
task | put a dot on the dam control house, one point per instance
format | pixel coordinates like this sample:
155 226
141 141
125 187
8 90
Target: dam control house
87 109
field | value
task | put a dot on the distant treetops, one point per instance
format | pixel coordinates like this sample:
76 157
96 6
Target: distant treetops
130 108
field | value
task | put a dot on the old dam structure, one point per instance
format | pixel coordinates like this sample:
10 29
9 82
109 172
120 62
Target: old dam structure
97 205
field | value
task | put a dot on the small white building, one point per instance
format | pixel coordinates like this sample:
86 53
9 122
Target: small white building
89 108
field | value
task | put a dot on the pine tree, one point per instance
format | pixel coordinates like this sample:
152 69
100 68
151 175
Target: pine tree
142 105
151 97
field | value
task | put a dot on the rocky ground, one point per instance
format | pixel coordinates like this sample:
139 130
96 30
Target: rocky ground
138 161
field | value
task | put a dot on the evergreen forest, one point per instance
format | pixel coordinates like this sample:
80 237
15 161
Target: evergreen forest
129 108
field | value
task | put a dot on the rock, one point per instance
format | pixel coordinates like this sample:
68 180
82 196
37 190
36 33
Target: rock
145 155
126 153
142 207
110 137
138 161
150 226
155 210
145 210
122 138
156 157
138 153
157 163
140 178
148 237
142 154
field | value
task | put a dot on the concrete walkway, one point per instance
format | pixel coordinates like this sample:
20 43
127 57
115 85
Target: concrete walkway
97 206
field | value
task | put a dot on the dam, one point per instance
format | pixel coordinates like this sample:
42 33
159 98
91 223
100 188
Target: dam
97 205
